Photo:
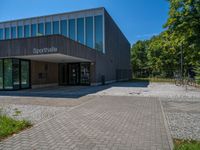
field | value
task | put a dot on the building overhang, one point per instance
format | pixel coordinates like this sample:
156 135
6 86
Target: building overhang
51 48
54 58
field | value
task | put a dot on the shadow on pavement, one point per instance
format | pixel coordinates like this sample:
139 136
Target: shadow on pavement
71 92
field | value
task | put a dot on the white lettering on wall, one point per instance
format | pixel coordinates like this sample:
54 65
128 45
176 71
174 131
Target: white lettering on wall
45 50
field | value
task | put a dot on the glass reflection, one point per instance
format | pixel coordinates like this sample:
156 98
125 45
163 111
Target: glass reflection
89 32
80 30
56 27
72 29
99 33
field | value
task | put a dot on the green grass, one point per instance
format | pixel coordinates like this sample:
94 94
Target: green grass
186 145
10 126
152 80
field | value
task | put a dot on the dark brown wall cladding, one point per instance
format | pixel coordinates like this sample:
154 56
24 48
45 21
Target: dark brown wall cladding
44 73
116 63
25 46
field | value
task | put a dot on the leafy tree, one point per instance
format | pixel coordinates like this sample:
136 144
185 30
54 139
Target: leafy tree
197 71
183 25
139 58
162 54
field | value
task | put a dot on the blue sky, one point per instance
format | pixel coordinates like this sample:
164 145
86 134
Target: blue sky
138 19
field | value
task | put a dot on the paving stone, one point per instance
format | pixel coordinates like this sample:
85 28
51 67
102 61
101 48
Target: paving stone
107 122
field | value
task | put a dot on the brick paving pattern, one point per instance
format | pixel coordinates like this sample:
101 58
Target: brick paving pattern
104 123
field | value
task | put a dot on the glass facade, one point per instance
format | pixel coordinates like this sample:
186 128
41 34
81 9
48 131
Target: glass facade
16 79
25 74
26 31
33 30
99 33
48 28
7 33
80 30
63 27
19 31
89 32
85 30
1 34
1 74
72 29
13 32
40 29
8 74
14 74
56 27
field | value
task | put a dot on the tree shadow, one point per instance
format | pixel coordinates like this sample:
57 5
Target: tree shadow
79 91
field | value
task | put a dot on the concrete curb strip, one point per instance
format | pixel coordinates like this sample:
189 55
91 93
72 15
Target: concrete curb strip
167 127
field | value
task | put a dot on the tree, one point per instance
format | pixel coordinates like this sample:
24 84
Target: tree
183 25
139 57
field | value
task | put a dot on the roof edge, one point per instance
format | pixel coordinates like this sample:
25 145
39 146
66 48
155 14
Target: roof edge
64 13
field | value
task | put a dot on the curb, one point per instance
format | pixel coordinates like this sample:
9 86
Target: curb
167 127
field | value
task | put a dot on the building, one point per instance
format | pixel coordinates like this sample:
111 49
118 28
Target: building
78 48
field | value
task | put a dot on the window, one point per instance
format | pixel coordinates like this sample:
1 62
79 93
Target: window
33 30
63 27
80 30
40 29
8 83
13 32
25 74
72 29
1 74
19 31
1 34
99 33
56 27
26 31
15 71
89 32
7 33
47 28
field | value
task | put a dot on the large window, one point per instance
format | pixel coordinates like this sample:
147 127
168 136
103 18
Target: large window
72 29
25 74
80 30
26 31
40 29
14 74
63 27
33 30
8 82
89 32
19 31
13 33
1 74
7 33
56 27
47 28
99 33
16 78
1 34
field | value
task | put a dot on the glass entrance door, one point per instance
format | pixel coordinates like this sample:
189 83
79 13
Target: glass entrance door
85 73
63 74
74 74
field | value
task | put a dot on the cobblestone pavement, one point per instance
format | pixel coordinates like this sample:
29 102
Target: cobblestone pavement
183 118
103 123
32 113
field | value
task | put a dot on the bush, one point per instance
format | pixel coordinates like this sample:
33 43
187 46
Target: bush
9 126
186 145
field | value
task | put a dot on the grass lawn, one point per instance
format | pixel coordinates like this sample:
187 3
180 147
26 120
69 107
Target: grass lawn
186 145
152 80
9 126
